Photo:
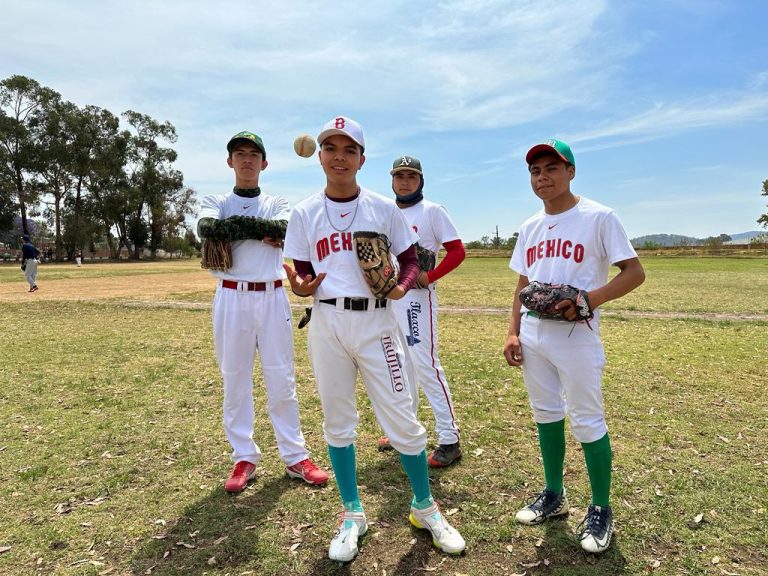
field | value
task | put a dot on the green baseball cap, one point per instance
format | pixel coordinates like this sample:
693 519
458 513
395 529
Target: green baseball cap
246 136
551 146
406 163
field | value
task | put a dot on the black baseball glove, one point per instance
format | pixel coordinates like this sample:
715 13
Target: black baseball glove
542 297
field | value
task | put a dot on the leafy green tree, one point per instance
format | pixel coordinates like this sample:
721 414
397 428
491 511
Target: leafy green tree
22 105
158 189
763 220
7 211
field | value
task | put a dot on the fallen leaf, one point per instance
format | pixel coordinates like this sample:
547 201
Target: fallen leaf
477 452
451 511
219 540
655 564
531 565
539 542
212 561
293 547
716 560
698 518
510 548
724 439
185 545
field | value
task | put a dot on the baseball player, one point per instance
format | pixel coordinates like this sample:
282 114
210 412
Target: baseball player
251 312
417 313
350 331
29 255
573 241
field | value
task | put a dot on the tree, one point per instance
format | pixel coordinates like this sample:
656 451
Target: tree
763 220
22 102
157 189
7 211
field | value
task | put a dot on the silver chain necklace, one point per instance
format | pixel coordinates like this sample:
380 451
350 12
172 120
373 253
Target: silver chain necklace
351 221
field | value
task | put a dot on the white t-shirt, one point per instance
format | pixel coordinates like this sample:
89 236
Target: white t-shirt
252 260
575 247
432 223
320 231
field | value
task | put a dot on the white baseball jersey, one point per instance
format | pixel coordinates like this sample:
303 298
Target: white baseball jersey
246 321
342 343
432 223
416 315
563 366
575 247
252 260
320 231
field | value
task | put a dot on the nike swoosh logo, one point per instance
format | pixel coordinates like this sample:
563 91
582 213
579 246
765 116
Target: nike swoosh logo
246 207
553 225
345 214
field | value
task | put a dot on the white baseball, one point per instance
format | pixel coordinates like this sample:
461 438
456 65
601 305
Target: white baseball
304 145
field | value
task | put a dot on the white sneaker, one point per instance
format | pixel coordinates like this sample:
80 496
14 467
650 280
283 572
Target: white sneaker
444 536
352 525
595 537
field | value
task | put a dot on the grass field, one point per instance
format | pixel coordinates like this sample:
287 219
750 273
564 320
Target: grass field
112 456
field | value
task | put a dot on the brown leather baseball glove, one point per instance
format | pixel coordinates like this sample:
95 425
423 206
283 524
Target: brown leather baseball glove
373 255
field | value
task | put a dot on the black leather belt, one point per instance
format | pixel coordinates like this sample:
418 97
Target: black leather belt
359 304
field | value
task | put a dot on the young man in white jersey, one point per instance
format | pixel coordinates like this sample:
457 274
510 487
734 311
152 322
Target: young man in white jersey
351 331
251 312
573 240
417 312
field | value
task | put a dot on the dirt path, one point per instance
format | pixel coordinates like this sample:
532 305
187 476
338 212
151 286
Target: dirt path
156 290
135 286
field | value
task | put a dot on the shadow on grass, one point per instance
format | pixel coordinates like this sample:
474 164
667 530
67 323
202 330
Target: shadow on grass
384 477
225 526
562 550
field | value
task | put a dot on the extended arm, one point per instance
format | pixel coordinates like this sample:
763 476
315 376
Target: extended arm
513 352
454 255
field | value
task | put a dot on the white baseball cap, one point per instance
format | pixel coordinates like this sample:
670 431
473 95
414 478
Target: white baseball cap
345 127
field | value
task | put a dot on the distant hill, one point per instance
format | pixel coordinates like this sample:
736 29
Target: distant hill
745 237
679 240
665 240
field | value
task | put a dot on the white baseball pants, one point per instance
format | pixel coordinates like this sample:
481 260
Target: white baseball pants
563 372
243 322
416 315
341 342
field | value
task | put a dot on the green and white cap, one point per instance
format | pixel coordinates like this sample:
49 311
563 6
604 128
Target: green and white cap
552 146
406 163
246 136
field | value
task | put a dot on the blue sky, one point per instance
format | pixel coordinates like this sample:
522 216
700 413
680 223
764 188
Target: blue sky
664 103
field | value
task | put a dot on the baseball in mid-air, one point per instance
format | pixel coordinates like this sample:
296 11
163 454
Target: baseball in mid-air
304 145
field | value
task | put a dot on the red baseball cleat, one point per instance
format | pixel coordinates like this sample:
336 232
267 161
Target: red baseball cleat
241 474
384 444
307 471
